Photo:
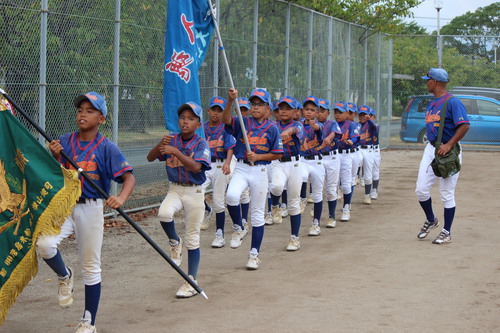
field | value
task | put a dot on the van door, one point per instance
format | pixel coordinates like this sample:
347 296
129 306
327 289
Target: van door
488 120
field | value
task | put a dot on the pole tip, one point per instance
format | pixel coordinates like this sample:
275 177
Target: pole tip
204 295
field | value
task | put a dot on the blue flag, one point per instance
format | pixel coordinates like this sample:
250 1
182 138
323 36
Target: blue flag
188 35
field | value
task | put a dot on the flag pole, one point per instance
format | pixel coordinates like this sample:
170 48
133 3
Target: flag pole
106 196
231 83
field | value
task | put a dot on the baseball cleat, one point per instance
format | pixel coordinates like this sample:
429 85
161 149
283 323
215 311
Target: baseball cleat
206 220
310 199
219 239
284 210
312 212
303 203
237 236
443 237
346 213
65 289
187 290
314 230
276 214
293 243
176 252
367 200
85 324
331 223
427 227
374 194
253 261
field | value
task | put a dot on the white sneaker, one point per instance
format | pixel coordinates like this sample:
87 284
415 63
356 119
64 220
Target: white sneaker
284 210
312 212
314 230
276 214
219 239
237 236
253 260
443 237
293 243
366 199
374 194
187 290
268 219
309 199
245 224
176 252
206 220
65 290
361 182
303 203
84 325
331 223
346 213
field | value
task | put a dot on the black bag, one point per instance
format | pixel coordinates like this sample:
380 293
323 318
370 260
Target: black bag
449 164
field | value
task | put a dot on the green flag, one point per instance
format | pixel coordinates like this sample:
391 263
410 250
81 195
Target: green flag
36 195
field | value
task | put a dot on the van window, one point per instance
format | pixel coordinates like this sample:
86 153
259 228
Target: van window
488 108
422 106
469 105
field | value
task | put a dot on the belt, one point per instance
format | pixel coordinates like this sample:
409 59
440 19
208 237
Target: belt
185 185
218 160
366 147
289 159
313 157
244 161
84 200
346 151
433 143
329 153
375 147
354 149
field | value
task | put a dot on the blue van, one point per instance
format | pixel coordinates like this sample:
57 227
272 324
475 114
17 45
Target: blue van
483 113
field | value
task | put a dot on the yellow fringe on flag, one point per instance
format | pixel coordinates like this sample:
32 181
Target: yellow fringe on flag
49 223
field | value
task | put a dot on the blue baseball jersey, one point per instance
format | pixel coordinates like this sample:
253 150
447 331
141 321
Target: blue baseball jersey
329 127
197 148
291 146
101 159
313 140
456 115
349 131
366 133
355 143
263 138
375 131
218 140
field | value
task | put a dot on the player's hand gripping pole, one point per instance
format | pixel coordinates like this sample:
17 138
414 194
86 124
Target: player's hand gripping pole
231 83
106 196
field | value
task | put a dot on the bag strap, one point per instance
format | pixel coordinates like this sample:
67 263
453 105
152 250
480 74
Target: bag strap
441 122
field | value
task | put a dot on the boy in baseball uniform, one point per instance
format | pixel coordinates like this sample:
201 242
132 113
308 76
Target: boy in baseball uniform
187 157
366 134
101 159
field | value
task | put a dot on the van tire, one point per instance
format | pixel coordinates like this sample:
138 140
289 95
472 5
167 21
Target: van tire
422 136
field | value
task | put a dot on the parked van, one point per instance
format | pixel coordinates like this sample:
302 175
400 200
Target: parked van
483 113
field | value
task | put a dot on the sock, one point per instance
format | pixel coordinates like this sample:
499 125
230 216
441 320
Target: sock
352 189
169 228
284 197
57 265
303 191
207 207
375 184
235 213
220 221
257 236
193 262
269 203
310 188
427 207
318 209
347 198
295 224
275 200
92 296
368 189
449 214
332 206
244 211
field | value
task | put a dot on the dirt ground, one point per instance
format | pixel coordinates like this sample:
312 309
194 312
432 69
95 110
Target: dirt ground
371 274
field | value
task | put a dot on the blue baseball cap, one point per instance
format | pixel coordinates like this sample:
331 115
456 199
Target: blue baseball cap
324 103
275 106
262 94
351 107
364 109
292 102
372 111
191 106
437 74
311 99
219 101
243 102
341 106
95 99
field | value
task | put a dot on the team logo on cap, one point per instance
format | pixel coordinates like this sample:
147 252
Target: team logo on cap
363 108
288 100
243 102
92 97
321 102
339 104
259 93
217 100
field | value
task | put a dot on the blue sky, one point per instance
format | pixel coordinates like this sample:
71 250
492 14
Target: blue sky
426 14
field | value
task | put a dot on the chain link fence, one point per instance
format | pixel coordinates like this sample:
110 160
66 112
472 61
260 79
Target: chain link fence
53 50
471 62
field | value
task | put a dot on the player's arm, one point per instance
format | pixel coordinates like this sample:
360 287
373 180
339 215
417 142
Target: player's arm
187 161
459 134
55 148
154 152
289 132
226 167
226 114
253 157
127 188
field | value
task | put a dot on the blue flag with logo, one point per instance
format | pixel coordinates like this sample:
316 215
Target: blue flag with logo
188 35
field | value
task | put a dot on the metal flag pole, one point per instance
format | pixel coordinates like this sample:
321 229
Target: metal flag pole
106 196
231 83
